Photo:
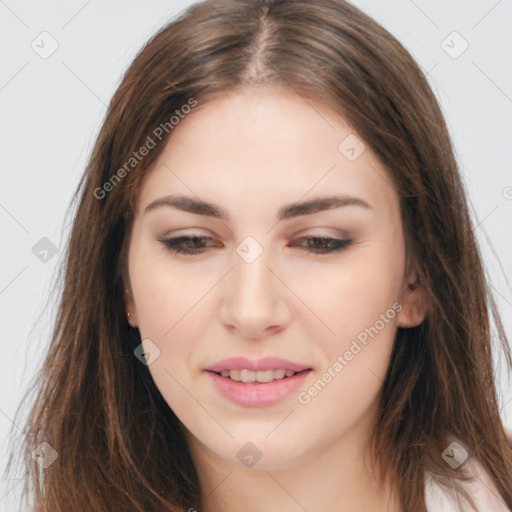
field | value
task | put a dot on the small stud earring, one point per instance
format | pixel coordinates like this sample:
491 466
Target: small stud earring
129 314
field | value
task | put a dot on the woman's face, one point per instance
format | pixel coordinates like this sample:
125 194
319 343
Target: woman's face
262 281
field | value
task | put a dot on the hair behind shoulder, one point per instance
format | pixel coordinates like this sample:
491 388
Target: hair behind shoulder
92 394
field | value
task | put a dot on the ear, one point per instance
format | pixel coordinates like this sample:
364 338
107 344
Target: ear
130 308
414 303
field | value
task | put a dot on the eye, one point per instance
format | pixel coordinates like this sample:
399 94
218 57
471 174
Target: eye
322 245
186 244
196 244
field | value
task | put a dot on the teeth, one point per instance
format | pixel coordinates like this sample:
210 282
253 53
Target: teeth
248 375
279 374
262 376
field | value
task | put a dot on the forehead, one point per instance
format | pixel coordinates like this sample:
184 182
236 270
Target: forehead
258 146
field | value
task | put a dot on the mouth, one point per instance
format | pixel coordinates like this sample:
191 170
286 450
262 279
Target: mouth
262 388
257 382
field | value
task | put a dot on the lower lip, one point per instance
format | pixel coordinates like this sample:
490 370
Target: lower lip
256 394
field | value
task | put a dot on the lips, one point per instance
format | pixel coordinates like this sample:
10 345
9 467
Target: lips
257 383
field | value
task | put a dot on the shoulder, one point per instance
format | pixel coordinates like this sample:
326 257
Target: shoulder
481 487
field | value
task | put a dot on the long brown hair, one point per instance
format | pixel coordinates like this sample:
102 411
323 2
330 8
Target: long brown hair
120 447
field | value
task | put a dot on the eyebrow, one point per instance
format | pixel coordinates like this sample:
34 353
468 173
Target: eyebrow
199 207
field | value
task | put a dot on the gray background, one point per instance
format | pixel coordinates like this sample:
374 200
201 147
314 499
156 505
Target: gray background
51 109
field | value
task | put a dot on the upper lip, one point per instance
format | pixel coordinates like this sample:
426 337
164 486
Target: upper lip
265 363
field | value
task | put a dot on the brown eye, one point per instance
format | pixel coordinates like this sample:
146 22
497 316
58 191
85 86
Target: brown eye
319 245
186 244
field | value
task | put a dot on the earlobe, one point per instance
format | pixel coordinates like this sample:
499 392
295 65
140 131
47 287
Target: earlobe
129 304
414 304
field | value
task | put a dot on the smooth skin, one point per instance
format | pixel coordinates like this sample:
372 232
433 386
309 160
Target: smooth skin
252 151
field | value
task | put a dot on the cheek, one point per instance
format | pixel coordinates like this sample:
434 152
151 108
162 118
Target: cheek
349 296
362 310
358 301
165 294
172 310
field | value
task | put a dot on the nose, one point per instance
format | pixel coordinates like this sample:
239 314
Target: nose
254 300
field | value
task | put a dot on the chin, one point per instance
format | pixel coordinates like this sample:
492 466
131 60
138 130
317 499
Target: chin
259 453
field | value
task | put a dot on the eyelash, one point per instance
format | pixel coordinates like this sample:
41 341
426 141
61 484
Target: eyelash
174 244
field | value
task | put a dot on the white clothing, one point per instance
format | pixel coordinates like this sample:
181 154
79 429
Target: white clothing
481 488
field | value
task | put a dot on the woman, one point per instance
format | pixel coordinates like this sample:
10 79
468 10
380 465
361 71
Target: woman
273 297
